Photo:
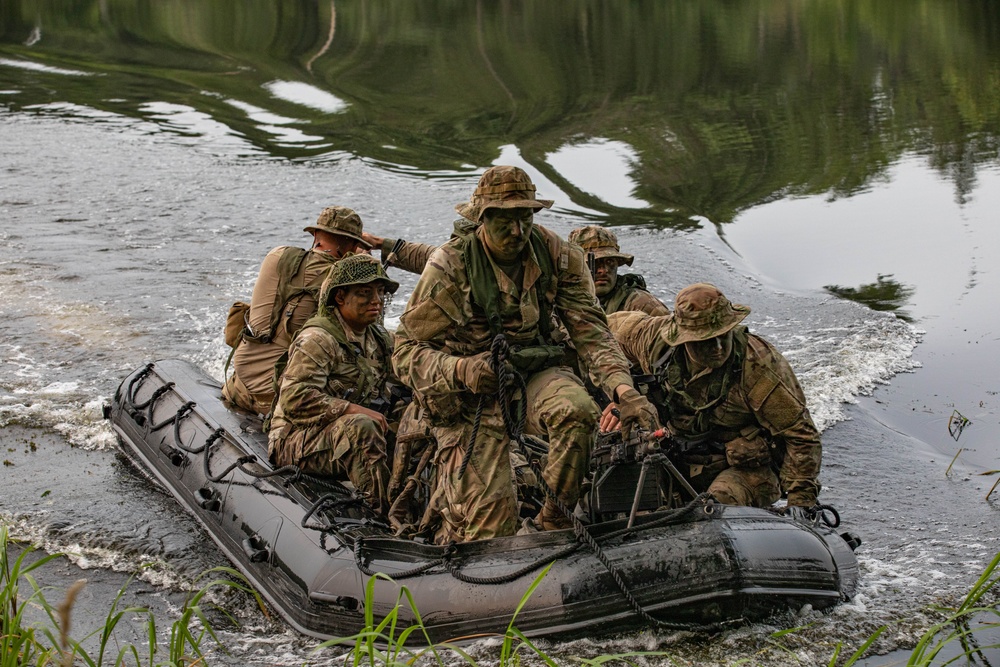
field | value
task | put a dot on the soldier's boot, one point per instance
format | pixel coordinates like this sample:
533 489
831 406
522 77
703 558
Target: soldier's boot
552 518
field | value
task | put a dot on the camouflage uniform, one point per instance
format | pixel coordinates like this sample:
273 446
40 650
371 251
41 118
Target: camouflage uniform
329 368
251 386
629 291
441 325
753 405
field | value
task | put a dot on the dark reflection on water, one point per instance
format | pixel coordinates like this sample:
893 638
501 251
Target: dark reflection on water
883 294
655 113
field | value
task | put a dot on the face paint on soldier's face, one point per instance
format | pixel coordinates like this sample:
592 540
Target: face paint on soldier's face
605 275
507 232
711 353
360 305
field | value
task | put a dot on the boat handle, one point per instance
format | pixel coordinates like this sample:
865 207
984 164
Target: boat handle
208 499
255 548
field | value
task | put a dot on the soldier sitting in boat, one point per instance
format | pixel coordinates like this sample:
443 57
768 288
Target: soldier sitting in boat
718 384
503 281
338 364
604 257
284 297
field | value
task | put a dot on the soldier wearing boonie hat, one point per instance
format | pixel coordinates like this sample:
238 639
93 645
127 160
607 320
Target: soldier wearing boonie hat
344 352
505 275
719 383
616 292
284 297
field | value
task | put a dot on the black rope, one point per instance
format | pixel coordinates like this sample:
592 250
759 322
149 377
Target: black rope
150 405
405 574
132 388
181 413
472 438
327 501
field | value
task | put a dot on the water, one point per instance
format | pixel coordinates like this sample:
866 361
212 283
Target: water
813 161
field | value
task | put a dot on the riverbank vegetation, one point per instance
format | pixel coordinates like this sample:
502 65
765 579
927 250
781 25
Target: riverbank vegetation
959 634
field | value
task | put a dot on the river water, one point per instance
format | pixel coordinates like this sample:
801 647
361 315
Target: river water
833 165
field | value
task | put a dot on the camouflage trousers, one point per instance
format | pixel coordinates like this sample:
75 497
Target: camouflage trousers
237 393
351 447
482 503
751 487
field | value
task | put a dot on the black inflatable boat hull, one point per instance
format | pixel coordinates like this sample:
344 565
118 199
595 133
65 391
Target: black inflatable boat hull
735 564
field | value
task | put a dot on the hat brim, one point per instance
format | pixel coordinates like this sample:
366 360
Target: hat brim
675 335
313 229
474 212
605 253
390 285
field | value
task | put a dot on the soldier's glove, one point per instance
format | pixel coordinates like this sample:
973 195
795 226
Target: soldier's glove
805 515
475 374
636 412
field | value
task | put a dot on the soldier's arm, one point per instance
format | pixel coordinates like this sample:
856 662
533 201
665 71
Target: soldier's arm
780 406
434 309
587 324
303 396
645 302
638 335
410 257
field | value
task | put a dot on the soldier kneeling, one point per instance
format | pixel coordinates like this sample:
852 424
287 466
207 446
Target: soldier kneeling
337 364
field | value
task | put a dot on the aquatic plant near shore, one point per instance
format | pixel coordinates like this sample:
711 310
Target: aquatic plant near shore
52 644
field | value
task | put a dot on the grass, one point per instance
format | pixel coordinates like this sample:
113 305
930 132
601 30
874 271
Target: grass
387 642
51 643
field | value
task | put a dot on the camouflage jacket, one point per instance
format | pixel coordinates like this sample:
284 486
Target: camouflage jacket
762 399
329 367
253 362
630 294
441 323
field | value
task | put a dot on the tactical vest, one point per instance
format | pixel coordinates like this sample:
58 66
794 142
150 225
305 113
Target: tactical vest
485 290
626 284
289 269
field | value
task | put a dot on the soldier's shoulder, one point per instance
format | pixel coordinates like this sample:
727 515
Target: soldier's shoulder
448 258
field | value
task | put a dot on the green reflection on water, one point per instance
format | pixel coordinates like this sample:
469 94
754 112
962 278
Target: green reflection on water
885 294
723 105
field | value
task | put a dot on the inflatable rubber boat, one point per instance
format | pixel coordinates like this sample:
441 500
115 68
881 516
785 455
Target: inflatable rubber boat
310 546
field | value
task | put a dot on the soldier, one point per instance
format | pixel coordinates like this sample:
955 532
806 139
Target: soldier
615 292
337 364
508 276
284 297
731 390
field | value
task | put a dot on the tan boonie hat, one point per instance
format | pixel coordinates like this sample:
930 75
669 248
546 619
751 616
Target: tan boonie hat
341 221
601 242
701 312
501 187
358 269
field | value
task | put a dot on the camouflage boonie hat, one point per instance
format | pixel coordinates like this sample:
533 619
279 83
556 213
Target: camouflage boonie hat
341 221
601 242
701 312
501 187
358 270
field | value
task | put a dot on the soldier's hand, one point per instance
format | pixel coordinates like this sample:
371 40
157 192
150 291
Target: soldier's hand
609 422
636 412
476 375
377 417
372 240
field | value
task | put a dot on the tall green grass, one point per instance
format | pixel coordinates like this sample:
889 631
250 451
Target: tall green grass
51 643
390 641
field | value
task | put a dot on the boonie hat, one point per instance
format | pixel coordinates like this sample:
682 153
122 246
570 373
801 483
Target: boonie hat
601 242
358 270
701 312
341 221
501 187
